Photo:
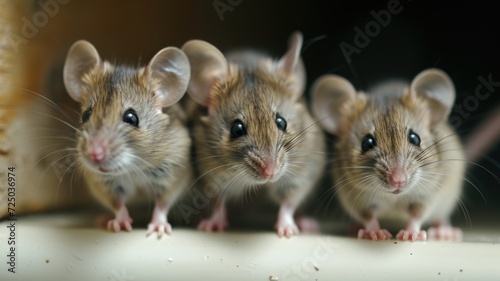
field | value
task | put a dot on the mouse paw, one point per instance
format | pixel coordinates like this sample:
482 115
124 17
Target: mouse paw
380 234
407 235
116 224
287 229
307 224
209 225
445 232
161 227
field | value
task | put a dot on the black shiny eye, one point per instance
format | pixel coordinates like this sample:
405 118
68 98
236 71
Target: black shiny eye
86 115
281 123
413 138
131 118
238 129
368 143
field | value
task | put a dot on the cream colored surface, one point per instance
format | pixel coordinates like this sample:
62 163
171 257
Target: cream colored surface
62 247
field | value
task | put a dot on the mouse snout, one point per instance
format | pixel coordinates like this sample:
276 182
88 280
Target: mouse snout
266 166
96 151
269 168
397 176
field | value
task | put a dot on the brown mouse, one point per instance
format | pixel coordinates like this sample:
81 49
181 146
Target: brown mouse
132 137
397 158
253 129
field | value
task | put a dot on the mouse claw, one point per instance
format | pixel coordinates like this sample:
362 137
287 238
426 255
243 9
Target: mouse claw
128 226
210 225
287 230
115 225
380 234
407 235
445 232
161 227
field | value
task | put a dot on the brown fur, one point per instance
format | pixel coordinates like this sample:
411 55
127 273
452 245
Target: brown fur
363 190
160 141
25 137
234 165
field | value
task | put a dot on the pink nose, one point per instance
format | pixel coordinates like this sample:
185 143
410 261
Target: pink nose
97 152
397 177
269 169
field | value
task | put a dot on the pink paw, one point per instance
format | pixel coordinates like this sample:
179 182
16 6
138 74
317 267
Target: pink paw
407 235
447 233
287 229
210 225
381 234
306 224
116 224
161 227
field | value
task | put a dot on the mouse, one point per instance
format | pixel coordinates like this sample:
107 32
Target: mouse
396 158
253 130
132 139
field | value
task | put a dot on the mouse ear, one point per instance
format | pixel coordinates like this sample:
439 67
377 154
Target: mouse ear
82 57
170 67
436 87
291 64
329 94
208 65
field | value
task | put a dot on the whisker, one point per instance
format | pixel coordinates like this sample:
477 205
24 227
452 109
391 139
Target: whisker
209 171
47 100
53 117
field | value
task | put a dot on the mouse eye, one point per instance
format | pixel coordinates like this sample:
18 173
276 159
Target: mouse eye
238 129
281 123
86 115
131 118
368 143
413 138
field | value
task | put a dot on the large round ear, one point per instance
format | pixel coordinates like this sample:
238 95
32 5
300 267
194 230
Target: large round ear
170 67
291 64
436 87
82 57
207 66
329 94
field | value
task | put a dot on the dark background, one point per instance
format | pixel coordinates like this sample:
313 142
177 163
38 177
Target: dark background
459 37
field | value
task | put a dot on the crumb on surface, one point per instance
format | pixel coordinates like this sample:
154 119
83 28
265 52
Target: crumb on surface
316 268
170 260
47 260
396 242
273 278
